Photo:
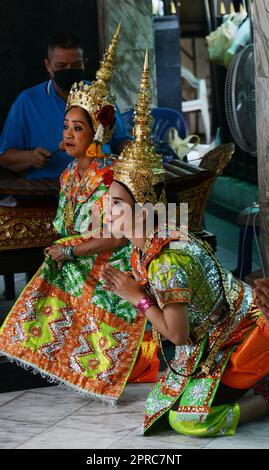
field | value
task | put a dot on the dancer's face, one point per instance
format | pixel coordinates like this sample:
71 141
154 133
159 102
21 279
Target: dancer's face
78 133
120 209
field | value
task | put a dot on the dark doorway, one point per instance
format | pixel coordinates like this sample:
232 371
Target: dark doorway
25 29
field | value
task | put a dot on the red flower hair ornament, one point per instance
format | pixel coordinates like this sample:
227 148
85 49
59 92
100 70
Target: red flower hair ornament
106 116
108 178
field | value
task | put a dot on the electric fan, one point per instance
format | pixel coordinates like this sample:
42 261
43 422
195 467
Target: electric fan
240 100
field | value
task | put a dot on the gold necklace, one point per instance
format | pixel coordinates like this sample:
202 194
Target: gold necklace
69 214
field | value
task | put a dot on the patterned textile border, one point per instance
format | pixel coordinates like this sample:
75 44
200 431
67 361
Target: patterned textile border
89 349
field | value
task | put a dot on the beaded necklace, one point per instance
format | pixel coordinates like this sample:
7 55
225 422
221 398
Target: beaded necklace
69 209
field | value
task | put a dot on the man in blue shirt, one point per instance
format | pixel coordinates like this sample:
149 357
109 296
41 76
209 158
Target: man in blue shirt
33 130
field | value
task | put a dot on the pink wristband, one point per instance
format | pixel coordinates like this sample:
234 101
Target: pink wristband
145 303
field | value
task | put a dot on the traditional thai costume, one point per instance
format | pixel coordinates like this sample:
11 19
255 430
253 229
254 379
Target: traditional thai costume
228 348
65 325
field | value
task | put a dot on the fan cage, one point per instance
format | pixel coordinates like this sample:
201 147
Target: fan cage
240 100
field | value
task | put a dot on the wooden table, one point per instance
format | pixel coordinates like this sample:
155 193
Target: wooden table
25 230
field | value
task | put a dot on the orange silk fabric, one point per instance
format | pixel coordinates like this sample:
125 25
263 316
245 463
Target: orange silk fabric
147 364
250 361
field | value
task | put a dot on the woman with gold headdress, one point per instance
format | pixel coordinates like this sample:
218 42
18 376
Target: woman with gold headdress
64 324
221 337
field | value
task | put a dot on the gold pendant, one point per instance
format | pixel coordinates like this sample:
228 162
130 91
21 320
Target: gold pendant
68 214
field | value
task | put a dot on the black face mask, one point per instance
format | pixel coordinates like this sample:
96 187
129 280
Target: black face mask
66 77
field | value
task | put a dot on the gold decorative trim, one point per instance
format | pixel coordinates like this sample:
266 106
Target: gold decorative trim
26 227
182 295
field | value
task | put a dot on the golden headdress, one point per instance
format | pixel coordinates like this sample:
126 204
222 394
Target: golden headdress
139 167
96 98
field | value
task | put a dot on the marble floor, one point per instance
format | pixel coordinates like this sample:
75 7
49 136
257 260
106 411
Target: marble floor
50 418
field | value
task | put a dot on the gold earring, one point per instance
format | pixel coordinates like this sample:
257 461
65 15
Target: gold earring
94 150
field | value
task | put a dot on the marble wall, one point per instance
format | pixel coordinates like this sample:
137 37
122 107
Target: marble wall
136 36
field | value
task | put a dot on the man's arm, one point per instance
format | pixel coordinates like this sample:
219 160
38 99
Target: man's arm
17 160
14 141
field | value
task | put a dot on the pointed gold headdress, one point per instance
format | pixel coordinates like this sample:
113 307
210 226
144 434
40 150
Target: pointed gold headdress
139 167
96 98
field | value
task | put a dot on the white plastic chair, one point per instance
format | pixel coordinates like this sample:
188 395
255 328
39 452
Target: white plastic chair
199 104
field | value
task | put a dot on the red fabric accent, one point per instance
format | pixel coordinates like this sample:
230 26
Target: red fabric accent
106 115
